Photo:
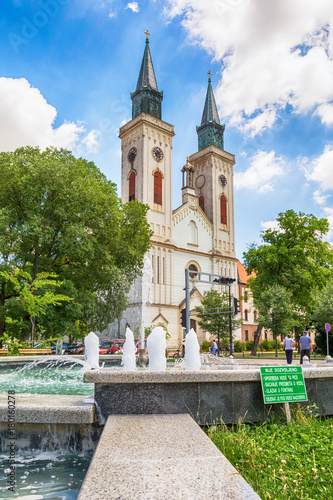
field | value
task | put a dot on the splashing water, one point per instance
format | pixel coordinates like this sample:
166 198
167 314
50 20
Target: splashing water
63 375
91 353
156 344
128 360
192 351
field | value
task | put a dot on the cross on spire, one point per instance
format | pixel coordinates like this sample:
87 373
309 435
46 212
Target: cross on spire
147 33
209 73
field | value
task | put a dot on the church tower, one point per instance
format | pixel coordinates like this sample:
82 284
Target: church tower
213 183
146 149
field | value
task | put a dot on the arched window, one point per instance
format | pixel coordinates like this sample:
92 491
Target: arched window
202 202
246 335
131 186
158 188
255 315
246 315
193 233
194 271
223 203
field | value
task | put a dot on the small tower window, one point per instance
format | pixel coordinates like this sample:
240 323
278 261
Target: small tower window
246 315
132 186
158 188
202 202
223 202
193 233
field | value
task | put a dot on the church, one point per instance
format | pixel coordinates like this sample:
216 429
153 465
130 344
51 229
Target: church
199 234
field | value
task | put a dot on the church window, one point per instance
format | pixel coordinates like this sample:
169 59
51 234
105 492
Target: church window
246 315
255 315
193 233
246 335
193 324
194 271
132 186
158 270
202 202
158 188
223 204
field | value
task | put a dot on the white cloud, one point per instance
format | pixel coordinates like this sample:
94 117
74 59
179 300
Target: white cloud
325 112
320 169
329 216
263 169
272 225
319 198
273 54
133 6
27 119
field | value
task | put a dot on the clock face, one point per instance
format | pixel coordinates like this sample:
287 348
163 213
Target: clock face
132 155
157 154
223 180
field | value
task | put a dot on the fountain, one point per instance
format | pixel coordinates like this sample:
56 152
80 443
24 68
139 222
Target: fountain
156 345
91 343
128 359
147 275
192 351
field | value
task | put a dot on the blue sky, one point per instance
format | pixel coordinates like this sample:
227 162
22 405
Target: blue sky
68 67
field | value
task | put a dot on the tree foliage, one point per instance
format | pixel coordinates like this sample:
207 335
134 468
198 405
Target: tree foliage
217 325
322 314
60 214
275 310
294 256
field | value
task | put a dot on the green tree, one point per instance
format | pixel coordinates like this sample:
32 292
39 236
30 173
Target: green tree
322 314
275 311
294 256
60 214
217 325
34 295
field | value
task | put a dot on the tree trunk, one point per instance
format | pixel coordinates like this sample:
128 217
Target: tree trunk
256 339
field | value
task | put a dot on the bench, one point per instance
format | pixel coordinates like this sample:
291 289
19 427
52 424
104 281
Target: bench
35 351
3 351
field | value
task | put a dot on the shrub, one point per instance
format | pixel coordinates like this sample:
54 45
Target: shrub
205 346
238 346
249 345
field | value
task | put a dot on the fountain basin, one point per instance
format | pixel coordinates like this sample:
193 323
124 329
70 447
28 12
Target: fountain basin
207 395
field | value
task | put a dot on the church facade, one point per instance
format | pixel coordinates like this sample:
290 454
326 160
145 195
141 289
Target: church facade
199 234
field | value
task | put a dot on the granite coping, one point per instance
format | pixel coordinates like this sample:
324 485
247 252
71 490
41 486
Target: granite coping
49 409
109 376
158 457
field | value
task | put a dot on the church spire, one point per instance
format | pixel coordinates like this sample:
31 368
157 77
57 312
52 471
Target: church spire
210 131
147 98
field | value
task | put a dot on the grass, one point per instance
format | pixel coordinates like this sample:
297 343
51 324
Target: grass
280 460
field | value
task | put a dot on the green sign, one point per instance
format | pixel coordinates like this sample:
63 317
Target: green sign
282 384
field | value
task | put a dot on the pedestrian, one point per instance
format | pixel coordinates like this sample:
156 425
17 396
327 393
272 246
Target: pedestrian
261 349
306 345
214 348
288 344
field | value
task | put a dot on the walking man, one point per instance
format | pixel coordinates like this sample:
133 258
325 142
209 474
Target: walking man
306 345
288 344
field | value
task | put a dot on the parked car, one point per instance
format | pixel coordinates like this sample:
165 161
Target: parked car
75 349
138 345
116 347
104 345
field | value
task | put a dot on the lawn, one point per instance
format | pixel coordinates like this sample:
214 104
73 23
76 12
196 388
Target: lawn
280 460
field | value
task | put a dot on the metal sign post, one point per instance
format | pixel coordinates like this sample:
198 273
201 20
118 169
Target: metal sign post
327 328
208 278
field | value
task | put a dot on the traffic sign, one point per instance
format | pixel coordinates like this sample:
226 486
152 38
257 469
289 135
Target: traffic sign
327 327
282 384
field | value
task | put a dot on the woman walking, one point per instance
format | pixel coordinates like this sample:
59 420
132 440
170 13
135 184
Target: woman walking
288 345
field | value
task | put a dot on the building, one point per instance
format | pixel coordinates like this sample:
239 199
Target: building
199 234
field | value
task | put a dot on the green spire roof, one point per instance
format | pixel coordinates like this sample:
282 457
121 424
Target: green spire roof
147 74
210 113
147 98
210 132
